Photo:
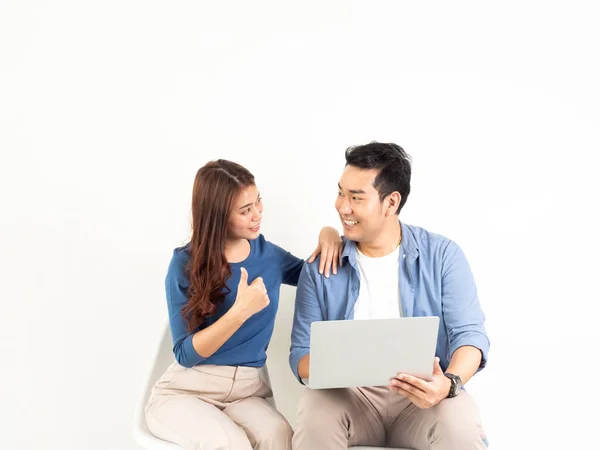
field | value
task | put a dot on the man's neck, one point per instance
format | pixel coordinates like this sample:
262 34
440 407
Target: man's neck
385 243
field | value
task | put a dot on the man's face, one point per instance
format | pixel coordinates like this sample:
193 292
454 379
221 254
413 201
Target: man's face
361 212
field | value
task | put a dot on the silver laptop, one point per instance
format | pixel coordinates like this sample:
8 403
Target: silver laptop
351 353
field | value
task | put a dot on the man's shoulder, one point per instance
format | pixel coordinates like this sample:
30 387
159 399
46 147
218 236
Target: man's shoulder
312 270
428 241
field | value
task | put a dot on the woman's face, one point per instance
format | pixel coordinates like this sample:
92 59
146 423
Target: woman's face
246 214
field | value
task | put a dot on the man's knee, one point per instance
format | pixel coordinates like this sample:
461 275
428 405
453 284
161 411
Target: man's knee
457 429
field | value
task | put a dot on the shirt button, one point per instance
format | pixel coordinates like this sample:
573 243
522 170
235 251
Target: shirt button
404 255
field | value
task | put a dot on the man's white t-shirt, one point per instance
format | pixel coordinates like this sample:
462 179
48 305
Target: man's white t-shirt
379 295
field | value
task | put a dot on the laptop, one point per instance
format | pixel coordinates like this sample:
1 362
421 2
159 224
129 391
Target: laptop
354 353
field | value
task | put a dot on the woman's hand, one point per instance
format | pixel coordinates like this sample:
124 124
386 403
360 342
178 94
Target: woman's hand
330 248
250 298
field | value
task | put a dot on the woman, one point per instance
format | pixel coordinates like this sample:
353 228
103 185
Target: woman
222 294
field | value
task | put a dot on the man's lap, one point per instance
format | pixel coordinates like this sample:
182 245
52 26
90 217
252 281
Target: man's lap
372 414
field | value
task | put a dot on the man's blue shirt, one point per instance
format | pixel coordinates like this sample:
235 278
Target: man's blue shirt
435 280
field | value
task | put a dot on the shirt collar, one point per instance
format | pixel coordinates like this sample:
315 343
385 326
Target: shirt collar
407 246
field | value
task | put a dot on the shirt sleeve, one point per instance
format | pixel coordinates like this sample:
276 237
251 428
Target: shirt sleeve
291 266
176 286
462 312
306 311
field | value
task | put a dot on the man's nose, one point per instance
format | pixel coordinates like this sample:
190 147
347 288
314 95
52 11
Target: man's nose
345 207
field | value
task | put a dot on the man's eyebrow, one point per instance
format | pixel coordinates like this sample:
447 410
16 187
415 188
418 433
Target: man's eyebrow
353 191
245 206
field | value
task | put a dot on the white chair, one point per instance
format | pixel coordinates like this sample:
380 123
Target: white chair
163 357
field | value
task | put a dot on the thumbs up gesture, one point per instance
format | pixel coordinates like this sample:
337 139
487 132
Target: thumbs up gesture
251 298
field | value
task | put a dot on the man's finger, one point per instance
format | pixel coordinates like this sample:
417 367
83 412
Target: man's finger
437 369
413 398
397 389
407 387
414 381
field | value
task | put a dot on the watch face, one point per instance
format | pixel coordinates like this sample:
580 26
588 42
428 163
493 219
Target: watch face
458 384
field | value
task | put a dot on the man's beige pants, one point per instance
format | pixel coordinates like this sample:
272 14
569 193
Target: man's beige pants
335 419
216 408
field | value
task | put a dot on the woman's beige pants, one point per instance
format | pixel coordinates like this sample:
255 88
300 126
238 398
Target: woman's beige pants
209 407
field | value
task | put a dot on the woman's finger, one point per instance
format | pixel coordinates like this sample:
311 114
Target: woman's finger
314 254
323 267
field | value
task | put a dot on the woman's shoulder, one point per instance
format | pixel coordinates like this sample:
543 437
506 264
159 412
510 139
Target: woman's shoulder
264 248
179 262
181 254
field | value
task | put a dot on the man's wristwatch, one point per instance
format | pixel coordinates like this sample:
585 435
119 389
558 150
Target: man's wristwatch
455 386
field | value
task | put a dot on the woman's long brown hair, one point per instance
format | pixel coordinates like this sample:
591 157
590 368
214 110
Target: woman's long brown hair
215 189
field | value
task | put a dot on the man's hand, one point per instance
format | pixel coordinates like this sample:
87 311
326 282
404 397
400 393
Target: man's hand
304 366
423 394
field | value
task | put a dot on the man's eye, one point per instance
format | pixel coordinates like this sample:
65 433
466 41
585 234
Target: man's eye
340 194
356 198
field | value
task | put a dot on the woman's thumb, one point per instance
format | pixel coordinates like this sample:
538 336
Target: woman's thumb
243 277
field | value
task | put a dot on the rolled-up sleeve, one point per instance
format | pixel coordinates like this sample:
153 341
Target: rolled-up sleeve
462 312
307 311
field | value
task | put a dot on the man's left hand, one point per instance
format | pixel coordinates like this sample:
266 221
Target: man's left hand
423 394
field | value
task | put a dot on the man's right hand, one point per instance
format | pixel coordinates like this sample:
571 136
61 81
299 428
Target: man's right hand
250 298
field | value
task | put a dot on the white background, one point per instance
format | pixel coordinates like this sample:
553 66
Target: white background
107 109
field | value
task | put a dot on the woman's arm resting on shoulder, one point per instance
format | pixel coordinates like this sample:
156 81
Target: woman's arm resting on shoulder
330 248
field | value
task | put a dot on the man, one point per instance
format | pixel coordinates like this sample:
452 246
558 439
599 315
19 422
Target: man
389 270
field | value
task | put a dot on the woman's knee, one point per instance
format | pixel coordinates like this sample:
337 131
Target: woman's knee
194 431
277 432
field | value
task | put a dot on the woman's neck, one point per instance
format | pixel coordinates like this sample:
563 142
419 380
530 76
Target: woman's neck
236 250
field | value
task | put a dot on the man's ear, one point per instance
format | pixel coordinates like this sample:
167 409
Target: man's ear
393 203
